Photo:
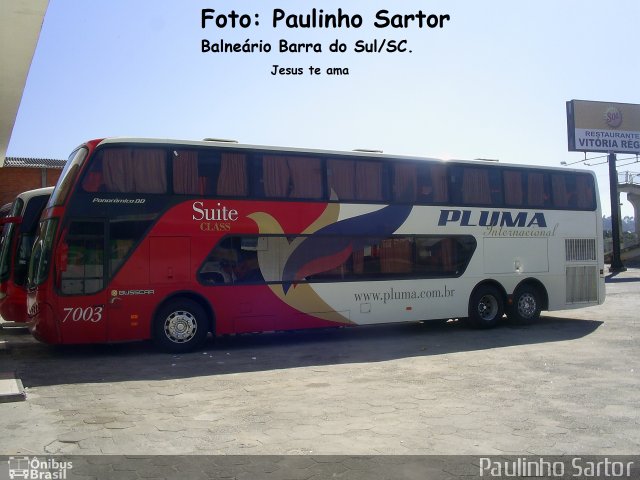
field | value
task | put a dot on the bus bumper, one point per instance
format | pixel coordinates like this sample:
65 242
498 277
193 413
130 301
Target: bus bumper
13 308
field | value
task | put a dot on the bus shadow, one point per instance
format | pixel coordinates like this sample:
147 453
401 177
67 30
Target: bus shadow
41 365
614 279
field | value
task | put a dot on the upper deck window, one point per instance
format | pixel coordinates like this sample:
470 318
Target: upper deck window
420 183
127 170
359 180
288 176
206 172
291 175
573 191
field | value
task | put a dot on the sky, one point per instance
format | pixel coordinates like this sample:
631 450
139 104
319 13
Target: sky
491 83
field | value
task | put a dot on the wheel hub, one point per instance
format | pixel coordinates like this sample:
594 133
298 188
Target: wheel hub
527 305
487 307
180 326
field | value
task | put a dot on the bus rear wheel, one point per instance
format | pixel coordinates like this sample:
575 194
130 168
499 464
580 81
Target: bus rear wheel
526 305
180 326
486 307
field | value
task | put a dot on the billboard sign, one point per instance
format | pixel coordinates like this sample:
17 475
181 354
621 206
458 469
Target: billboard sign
603 127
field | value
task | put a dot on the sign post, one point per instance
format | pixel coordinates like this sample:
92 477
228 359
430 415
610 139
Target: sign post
610 128
616 261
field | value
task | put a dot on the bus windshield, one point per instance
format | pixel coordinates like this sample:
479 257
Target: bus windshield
67 177
7 235
41 255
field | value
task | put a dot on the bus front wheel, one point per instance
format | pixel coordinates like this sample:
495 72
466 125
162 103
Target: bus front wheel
486 307
526 305
180 326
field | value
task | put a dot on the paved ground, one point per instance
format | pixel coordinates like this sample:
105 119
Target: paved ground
567 385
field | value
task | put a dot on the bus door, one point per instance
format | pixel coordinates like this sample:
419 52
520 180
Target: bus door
80 281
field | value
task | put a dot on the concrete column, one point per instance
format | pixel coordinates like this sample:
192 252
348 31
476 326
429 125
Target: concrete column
634 199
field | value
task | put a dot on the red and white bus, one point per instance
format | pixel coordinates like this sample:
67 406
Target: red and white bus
171 240
18 234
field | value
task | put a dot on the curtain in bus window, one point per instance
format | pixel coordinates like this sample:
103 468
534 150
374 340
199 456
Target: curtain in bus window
185 172
149 171
395 255
116 167
513 193
439 183
584 188
94 179
275 174
341 178
560 193
369 181
306 177
475 186
233 175
358 262
405 182
535 190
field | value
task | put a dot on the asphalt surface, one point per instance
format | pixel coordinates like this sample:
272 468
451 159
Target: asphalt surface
567 385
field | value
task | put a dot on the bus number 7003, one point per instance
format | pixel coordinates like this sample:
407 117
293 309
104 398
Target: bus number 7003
81 314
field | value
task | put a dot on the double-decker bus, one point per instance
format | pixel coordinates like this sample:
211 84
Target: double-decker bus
18 234
171 240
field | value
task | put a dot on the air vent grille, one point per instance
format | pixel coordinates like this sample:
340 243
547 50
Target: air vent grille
582 284
580 249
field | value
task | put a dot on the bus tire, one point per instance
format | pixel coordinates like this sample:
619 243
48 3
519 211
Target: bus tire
486 307
180 326
526 306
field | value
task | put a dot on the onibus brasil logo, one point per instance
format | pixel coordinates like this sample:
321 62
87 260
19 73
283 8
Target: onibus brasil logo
38 469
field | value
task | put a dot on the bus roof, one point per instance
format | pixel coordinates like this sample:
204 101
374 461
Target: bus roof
29 194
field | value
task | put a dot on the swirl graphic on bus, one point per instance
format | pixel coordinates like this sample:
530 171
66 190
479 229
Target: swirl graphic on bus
327 244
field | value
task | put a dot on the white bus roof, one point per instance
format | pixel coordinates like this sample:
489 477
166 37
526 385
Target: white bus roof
29 194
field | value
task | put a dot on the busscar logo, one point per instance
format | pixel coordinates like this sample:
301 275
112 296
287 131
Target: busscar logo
125 293
38 469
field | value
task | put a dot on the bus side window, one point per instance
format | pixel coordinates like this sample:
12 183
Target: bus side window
475 186
359 180
369 181
232 180
84 272
586 195
186 178
437 188
286 176
564 193
405 182
219 267
123 235
573 191
93 181
538 192
513 188
127 170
